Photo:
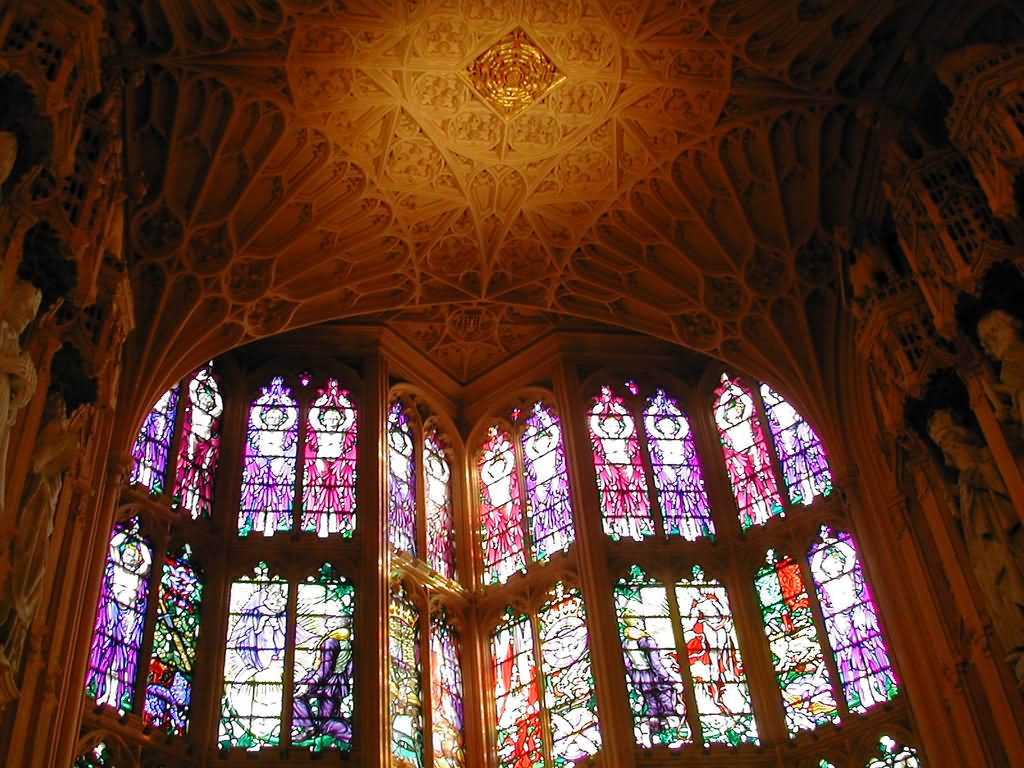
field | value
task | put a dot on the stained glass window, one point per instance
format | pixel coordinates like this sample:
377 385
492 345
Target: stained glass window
169 685
199 449
448 717
796 651
747 459
569 694
153 444
406 697
653 678
323 704
438 500
401 480
892 754
851 622
803 458
677 471
547 483
254 661
329 493
268 477
621 480
99 756
825 764
501 516
117 637
716 667
517 694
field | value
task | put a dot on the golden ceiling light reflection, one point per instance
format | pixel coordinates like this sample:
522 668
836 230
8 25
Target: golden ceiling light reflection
513 73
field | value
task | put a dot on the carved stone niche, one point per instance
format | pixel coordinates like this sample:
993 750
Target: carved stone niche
986 122
945 226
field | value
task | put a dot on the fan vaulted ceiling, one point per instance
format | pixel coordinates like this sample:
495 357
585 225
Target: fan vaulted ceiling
300 161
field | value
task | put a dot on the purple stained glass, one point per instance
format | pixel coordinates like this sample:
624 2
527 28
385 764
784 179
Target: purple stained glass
199 451
448 718
117 637
851 622
329 487
746 454
677 471
803 458
401 481
621 480
547 484
501 515
153 444
438 500
268 477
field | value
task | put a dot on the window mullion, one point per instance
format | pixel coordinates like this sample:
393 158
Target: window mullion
636 405
542 687
810 587
285 737
689 692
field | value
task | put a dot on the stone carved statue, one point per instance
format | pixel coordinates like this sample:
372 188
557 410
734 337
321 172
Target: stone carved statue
17 372
1001 336
56 448
992 530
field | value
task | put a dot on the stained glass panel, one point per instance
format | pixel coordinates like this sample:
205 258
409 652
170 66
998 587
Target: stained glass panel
448 719
254 662
268 477
796 651
406 696
153 444
169 685
517 694
677 472
117 636
501 516
621 480
547 484
892 754
199 451
747 459
323 705
569 693
653 679
803 458
401 481
440 521
716 667
851 622
99 756
329 493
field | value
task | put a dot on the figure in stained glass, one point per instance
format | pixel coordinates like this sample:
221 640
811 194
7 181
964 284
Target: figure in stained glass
746 454
547 483
406 697
517 694
501 516
200 444
401 481
677 471
621 480
153 444
803 458
117 637
438 501
851 622
169 685
100 756
892 754
268 477
323 704
329 493
448 718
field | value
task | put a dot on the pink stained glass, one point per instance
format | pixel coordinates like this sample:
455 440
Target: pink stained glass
517 694
677 472
153 444
199 451
448 716
268 477
851 622
547 484
746 454
438 502
329 464
401 481
501 514
803 458
621 480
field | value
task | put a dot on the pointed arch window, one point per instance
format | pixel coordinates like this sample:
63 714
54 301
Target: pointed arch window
406 695
804 463
440 515
446 693
402 517
153 444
